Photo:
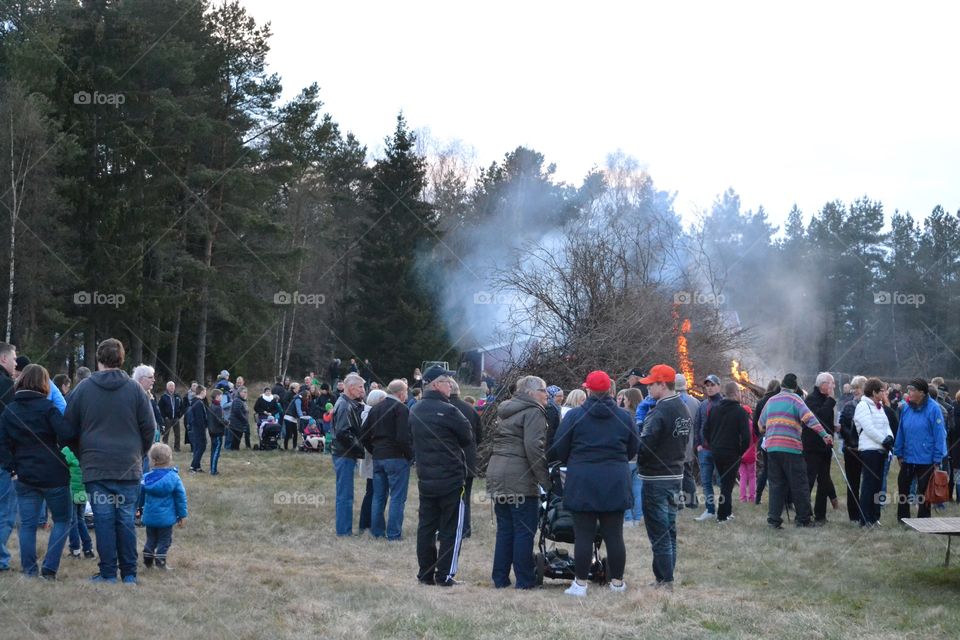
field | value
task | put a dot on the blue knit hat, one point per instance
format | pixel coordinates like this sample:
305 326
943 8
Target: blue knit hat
553 390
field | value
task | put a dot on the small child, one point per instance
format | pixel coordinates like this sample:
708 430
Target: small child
328 428
165 505
79 536
748 467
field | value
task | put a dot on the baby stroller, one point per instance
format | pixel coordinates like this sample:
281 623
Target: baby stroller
556 524
269 431
311 437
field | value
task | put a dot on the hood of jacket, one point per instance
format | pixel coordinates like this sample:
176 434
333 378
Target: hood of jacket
110 380
515 405
160 481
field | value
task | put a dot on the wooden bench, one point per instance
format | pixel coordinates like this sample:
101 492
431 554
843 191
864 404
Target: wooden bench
940 526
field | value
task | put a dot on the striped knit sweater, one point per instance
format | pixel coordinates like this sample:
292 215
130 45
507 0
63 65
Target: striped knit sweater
782 420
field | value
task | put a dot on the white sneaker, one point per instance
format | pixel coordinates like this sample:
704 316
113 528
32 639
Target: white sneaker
618 588
706 515
577 589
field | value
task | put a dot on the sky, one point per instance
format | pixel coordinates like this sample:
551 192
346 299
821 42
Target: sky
802 102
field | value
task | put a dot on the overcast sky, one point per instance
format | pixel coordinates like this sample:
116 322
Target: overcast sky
805 102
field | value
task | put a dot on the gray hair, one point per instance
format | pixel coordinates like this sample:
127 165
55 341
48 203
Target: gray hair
857 382
823 378
375 397
528 384
396 387
142 371
353 380
83 373
454 387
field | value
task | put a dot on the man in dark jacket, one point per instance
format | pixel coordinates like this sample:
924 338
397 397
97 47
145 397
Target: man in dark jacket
111 416
711 387
474 419
8 496
386 435
443 445
171 410
728 435
347 449
663 445
817 455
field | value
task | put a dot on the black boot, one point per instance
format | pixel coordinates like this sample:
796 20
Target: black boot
147 559
162 564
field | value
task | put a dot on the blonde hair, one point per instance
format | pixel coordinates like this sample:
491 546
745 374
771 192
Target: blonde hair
858 382
160 455
575 398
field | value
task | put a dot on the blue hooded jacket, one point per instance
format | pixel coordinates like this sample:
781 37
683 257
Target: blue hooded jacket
922 436
165 500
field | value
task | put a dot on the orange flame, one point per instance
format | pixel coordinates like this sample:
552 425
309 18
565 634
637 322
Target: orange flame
683 354
739 374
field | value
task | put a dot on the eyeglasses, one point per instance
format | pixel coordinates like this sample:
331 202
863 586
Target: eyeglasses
544 390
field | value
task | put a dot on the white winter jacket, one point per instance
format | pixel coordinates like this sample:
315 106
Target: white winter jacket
871 424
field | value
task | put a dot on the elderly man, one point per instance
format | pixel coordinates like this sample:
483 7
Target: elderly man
443 443
8 495
171 410
112 418
386 434
144 376
816 454
347 449
783 419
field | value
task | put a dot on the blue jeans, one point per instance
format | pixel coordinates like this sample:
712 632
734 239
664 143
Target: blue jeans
158 543
660 501
707 470
229 438
346 470
216 444
635 514
390 477
79 536
30 498
516 527
8 514
114 503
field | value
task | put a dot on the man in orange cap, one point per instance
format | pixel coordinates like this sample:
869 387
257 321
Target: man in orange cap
663 445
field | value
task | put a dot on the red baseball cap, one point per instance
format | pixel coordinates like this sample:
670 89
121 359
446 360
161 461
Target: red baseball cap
660 373
597 381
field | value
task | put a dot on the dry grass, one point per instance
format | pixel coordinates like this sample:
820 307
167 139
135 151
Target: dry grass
248 567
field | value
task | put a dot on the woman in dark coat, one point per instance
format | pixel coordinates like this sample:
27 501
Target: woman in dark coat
239 419
596 441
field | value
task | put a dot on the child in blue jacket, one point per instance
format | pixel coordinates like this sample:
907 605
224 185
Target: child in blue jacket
165 504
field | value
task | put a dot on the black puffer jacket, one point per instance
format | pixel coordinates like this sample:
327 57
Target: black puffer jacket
386 431
442 440
728 429
822 407
239 416
32 433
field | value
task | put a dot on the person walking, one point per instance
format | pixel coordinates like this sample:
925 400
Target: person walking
596 441
517 466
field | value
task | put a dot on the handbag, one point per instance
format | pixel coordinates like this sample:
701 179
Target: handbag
938 488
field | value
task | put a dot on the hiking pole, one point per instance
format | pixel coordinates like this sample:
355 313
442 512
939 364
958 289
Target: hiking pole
846 481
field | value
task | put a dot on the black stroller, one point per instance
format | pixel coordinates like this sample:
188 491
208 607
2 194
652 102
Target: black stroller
269 432
556 524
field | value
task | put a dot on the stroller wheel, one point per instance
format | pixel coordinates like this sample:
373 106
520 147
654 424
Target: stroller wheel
540 569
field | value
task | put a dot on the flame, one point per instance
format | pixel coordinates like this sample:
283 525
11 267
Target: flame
738 374
683 354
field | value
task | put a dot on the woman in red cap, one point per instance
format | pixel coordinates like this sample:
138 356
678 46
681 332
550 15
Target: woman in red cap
596 441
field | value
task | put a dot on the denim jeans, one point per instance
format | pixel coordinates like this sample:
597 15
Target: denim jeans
79 535
114 503
660 501
216 444
8 514
390 477
706 478
516 528
29 498
345 470
635 514
228 435
158 543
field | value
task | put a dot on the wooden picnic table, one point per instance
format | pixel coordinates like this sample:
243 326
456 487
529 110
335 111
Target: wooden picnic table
940 526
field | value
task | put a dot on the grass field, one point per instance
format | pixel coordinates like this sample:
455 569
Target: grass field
258 559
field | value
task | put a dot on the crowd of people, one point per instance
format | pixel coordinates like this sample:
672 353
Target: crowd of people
637 456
